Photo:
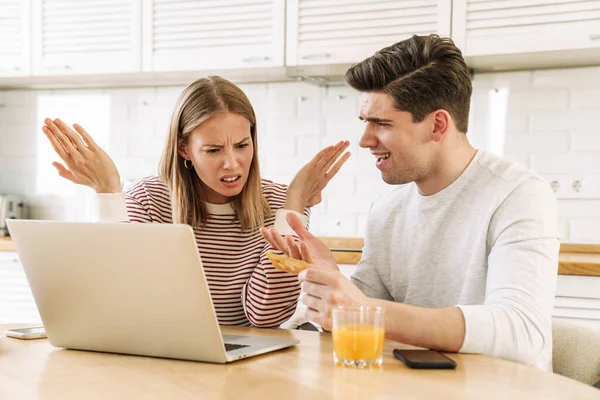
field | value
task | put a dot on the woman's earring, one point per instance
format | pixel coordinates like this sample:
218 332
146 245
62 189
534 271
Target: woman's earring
185 164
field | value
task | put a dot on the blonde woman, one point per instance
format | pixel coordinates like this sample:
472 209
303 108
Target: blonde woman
209 178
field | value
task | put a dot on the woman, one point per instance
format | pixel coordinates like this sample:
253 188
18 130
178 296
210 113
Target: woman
209 178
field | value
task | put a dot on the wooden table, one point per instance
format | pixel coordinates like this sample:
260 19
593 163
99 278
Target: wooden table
35 370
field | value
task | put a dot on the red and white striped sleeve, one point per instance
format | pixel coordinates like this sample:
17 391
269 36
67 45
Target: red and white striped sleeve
146 200
271 296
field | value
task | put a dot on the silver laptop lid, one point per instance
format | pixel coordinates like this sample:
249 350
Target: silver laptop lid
118 287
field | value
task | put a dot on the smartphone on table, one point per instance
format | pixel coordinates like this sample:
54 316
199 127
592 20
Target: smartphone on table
424 359
26 333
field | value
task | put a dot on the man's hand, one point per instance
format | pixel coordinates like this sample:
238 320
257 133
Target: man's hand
309 248
325 289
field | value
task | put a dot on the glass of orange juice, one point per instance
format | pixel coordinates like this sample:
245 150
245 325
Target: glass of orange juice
358 335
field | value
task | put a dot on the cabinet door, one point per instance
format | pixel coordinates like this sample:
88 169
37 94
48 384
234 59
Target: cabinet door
86 37
16 301
15 48
578 299
484 27
198 35
347 31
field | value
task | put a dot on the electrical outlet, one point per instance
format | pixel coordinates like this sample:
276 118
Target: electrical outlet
559 184
575 187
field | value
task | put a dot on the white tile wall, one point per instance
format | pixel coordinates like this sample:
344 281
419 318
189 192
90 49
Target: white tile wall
550 127
295 120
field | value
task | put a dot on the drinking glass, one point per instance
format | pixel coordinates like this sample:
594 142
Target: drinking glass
358 335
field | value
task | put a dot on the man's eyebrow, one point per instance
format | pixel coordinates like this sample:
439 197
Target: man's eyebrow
220 145
375 119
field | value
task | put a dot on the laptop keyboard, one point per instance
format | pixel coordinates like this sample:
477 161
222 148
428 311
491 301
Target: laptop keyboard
231 346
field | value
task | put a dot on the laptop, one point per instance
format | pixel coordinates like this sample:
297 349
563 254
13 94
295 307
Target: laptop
127 288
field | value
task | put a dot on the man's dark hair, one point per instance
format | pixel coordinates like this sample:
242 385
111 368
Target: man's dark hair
422 74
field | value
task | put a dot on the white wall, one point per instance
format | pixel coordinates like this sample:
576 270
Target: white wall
552 127
549 127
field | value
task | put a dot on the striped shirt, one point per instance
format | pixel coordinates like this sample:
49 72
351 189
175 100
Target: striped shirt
244 286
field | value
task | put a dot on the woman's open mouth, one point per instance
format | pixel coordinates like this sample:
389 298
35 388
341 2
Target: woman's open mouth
231 180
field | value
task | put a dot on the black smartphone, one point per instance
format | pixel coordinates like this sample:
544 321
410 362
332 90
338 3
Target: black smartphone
424 359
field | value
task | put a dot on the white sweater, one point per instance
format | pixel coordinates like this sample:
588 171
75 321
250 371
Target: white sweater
487 243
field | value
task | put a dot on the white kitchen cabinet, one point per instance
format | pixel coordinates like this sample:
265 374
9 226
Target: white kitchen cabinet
347 31
15 54
578 299
493 29
72 37
16 301
203 35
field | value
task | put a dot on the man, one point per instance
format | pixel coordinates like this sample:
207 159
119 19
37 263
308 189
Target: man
463 254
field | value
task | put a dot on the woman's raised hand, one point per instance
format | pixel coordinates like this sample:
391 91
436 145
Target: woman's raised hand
86 163
306 187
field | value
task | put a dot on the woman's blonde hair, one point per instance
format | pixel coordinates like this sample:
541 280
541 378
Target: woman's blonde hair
197 103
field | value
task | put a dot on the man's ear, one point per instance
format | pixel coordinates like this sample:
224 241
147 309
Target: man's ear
181 149
441 123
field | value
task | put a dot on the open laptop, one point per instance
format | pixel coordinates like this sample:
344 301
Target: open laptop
127 288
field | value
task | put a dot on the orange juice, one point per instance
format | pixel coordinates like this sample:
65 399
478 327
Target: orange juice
358 342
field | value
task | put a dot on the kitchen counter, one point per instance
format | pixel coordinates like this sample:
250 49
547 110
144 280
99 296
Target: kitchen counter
6 244
574 258
579 259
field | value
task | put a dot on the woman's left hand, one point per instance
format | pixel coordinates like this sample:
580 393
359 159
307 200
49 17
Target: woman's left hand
306 187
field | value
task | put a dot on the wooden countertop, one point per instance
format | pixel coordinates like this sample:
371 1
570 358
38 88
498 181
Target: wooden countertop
574 259
6 244
33 369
